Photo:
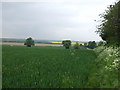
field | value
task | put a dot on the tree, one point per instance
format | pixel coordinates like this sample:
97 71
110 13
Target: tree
101 43
81 45
76 46
29 42
109 29
85 44
66 44
91 44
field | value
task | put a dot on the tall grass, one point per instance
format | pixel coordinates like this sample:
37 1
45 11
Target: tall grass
106 68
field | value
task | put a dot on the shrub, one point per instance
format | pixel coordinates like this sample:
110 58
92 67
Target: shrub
76 46
91 44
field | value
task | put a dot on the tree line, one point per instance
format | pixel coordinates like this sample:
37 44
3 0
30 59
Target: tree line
90 44
67 44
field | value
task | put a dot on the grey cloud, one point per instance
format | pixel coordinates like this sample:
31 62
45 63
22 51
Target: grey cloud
46 21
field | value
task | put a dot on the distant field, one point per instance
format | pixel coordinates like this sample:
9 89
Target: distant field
22 44
73 43
37 44
45 67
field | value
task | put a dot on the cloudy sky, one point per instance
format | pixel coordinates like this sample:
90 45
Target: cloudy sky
52 19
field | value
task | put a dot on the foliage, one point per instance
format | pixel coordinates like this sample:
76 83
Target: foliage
85 44
66 43
109 29
91 44
46 67
105 73
101 43
76 46
81 45
29 42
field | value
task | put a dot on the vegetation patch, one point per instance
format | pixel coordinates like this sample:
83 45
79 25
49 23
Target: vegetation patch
106 68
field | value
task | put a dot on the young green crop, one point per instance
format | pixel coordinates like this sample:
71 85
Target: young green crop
46 67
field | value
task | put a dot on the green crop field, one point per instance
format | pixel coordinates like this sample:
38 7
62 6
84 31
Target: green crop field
45 67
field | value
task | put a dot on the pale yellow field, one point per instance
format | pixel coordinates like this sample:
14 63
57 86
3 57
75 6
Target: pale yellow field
73 43
22 44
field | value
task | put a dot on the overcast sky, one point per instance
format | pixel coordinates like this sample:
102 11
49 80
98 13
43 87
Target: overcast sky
52 19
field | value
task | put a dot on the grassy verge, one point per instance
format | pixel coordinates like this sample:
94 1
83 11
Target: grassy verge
105 73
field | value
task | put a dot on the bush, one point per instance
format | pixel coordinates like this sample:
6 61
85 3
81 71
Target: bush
91 44
76 46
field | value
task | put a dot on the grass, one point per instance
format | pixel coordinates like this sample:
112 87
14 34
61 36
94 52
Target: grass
105 73
45 67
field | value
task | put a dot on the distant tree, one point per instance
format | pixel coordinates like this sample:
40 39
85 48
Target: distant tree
91 44
66 44
76 46
81 45
101 43
29 42
85 44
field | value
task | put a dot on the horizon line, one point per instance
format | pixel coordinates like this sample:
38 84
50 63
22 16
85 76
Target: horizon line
53 39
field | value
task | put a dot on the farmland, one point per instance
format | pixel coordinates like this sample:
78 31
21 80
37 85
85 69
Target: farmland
32 53
46 67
